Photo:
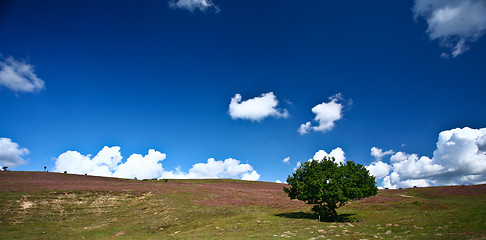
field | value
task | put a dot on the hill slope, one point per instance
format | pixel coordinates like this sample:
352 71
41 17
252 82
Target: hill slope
37 205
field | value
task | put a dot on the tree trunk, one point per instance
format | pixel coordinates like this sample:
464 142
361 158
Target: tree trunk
334 214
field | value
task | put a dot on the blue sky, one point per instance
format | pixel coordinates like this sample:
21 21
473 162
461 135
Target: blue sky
160 75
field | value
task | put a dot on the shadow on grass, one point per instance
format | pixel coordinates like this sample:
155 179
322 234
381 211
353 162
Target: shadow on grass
305 215
302 215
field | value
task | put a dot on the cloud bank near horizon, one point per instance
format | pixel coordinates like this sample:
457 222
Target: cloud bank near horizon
460 158
229 168
108 163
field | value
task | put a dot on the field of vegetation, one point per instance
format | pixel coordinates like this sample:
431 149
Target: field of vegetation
37 205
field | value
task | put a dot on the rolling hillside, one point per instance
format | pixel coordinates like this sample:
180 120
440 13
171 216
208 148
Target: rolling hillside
38 205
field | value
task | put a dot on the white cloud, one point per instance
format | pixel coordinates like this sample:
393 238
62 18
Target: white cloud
257 108
337 154
109 156
229 168
108 162
192 5
19 76
297 165
393 181
460 158
326 114
398 157
286 160
379 169
454 23
141 167
462 150
105 163
413 167
304 128
11 153
378 153
253 176
74 162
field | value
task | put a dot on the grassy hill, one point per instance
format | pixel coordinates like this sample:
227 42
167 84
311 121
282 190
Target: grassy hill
37 205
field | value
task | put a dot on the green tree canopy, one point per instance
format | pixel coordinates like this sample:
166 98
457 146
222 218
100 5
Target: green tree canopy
329 185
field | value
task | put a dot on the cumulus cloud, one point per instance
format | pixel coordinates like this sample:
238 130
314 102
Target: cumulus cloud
455 24
393 181
229 168
74 162
460 158
19 76
326 114
253 176
108 162
257 108
142 167
379 169
378 153
192 5
11 153
337 154
286 160
304 128
411 166
109 156
462 150
278 181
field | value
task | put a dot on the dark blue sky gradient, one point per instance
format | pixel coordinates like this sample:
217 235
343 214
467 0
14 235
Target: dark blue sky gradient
140 75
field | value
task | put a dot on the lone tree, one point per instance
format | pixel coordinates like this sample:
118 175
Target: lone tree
329 185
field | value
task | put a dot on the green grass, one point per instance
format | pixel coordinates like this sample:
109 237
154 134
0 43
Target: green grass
406 214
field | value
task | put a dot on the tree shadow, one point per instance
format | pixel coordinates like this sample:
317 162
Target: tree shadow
306 215
301 215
